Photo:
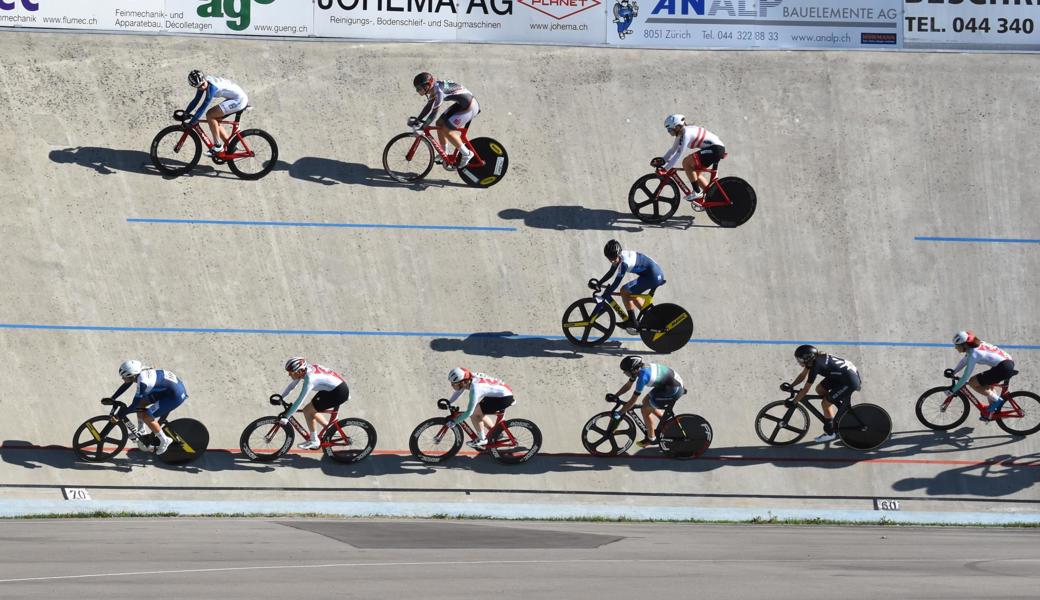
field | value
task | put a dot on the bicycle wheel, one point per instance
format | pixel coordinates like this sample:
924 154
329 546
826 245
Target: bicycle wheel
175 151
936 411
1022 411
265 440
864 426
408 157
190 440
653 198
262 153
599 440
665 328
782 423
525 442
581 329
349 440
685 436
742 202
435 440
496 163
99 439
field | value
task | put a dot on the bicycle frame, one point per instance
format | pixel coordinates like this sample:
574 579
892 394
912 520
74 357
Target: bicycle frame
713 179
637 418
131 430
818 413
234 135
510 441
620 311
1010 409
300 429
427 132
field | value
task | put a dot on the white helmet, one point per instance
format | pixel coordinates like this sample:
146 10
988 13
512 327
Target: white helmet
963 337
130 368
295 363
673 122
458 374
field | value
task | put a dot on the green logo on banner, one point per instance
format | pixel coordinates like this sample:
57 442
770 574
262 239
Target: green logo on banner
237 11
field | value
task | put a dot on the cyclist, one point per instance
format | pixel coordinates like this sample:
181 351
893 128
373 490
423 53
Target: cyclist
159 392
629 261
458 116
665 389
840 380
209 87
332 391
975 352
487 396
707 151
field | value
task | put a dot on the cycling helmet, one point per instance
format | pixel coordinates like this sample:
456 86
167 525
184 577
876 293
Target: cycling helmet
963 337
673 122
195 78
612 250
805 353
130 368
631 363
423 82
458 375
295 364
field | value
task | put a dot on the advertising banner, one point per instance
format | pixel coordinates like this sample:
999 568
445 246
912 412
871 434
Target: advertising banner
822 24
98 14
972 24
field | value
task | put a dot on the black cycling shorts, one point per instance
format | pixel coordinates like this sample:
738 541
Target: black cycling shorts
839 391
997 374
490 406
710 156
332 398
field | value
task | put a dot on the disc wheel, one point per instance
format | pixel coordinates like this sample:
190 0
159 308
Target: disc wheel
665 328
581 329
435 440
175 151
653 198
685 436
99 439
527 439
936 411
263 152
782 423
1026 405
190 440
349 440
496 163
742 202
864 426
408 157
265 440
600 440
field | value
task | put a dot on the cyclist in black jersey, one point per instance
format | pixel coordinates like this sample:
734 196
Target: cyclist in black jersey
840 380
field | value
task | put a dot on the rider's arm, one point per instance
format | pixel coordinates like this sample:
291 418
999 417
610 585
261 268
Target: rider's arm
624 388
210 91
671 158
191 105
808 384
121 389
640 380
469 407
621 269
139 396
430 110
968 363
303 394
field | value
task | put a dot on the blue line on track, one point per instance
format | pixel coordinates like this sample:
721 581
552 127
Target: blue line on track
462 335
925 238
311 224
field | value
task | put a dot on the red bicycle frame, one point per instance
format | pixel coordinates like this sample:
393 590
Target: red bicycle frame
713 178
234 135
475 162
1010 409
306 434
507 442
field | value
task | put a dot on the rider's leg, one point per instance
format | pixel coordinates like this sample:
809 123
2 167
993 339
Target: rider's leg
479 425
829 410
311 415
153 424
213 117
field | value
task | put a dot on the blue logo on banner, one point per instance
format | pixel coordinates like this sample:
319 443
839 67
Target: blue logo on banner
26 4
731 8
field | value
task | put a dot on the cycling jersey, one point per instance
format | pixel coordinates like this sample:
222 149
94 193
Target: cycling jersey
658 378
631 261
316 378
234 98
693 138
833 370
985 354
480 387
157 387
446 91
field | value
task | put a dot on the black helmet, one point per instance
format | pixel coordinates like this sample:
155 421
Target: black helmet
612 250
631 363
422 82
805 353
195 78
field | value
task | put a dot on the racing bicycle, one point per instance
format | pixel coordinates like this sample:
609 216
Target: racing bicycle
104 436
654 197
784 422
1020 414
591 321
250 153
510 441
680 436
409 157
344 440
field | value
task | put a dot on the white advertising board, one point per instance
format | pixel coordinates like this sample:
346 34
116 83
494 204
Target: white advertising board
143 15
972 24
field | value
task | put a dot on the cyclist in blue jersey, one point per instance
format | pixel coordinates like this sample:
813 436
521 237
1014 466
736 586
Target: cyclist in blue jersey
840 380
209 87
650 277
663 388
159 392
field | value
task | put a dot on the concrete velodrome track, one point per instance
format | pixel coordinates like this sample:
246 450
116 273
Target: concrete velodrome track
853 155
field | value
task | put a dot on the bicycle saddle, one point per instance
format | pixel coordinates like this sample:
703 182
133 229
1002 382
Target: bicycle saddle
238 112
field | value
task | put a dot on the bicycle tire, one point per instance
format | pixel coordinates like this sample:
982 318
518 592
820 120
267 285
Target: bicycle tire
864 426
742 197
191 438
261 450
496 163
528 441
665 328
938 413
661 206
685 436
354 448
162 148
776 419
596 432
585 307
266 165
1029 404
422 160
423 446
99 429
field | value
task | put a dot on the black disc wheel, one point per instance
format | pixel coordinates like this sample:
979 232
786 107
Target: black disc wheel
496 163
190 440
408 157
864 426
666 327
936 411
601 439
435 440
517 442
782 423
653 198
176 150
265 440
349 440
685 436
1022 410
586 323
99 439
740 198
260 150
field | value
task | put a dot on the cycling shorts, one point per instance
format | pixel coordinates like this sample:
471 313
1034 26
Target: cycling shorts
459 115
709 157
840 389
663 399
647 280
230 106
997 374
493 405
331 399
165 403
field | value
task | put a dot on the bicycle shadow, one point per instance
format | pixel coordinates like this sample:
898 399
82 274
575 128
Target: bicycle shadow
327 171
106 161
501 344
1002 475
25 454
566 218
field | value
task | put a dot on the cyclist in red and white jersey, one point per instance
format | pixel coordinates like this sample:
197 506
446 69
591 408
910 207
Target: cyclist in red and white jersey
331 389
464 107
706 152
487 396
975 352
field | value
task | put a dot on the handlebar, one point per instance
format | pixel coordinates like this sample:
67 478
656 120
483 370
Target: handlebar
949 374
444 404
595 285
179 115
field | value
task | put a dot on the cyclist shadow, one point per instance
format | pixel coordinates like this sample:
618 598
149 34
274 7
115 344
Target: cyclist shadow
327 171
499 344
926 441
24 454
1001 475
564 218
106 161
539 465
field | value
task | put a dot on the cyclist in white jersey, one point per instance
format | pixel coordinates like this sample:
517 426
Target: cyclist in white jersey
487 396
464 107
209 87
331 389
976 352
706 152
